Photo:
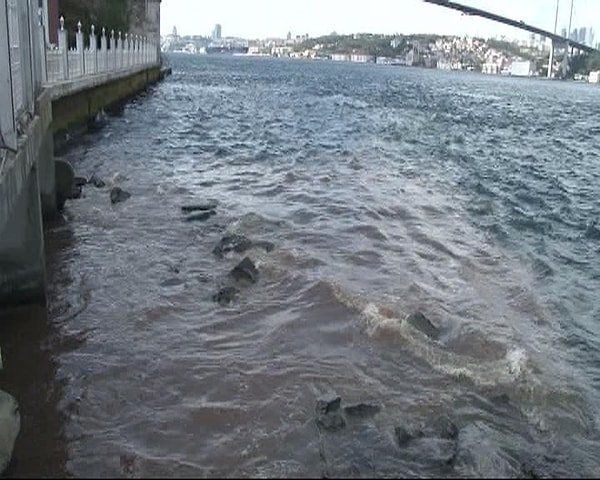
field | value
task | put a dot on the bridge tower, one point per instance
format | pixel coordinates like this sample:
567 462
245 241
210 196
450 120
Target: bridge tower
552 46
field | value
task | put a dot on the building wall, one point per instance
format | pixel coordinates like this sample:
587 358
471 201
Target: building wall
521 69
144 18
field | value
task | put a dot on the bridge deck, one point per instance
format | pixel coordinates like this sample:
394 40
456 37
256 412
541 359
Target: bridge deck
513 23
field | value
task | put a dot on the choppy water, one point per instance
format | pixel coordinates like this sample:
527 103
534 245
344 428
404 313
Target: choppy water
387 191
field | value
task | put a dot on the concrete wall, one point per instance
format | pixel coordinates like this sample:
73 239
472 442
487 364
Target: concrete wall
27 179
22 263
77 102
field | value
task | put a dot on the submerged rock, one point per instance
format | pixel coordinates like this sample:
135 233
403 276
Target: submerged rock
404 436
245 270
80 181
328 404
362 410
331 422
10 425
266 246
232 243
528 471
329 415
225 296
200 217
76 192
96 181
118 195
203 207
423 324
444 428
501 400
64 182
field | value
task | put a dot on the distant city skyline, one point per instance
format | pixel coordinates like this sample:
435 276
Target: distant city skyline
275 18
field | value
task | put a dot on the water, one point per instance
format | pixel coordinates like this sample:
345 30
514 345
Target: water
387 191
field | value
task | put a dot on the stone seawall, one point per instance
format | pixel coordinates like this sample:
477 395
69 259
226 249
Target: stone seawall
28 182
75 103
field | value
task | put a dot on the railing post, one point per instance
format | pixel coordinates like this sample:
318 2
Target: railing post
120 49
63 47
8 131
80 46
103 50
113 51
93 49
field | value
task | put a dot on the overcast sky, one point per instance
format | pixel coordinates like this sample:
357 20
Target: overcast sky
274 18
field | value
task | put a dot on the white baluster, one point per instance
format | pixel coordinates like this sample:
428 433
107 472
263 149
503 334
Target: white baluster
103 50
79 43
63 46
120 50
113 51
93 49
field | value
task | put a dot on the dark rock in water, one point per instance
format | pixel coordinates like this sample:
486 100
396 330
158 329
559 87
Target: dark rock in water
76 192
529 472
266 246
328 404
422 323
444 428
362 410
96 181
225 296
203 207
245 270
80 181
118 195
404 436
64 181
502 399
331 422
201 217
232 243
438 451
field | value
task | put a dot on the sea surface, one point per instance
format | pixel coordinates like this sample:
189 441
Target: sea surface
387 192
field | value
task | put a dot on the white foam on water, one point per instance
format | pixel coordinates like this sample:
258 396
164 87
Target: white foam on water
381 325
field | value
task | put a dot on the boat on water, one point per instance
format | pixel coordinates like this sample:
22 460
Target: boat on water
227 50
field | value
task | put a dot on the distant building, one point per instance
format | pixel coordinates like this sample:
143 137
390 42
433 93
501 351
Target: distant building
289 36
594 77
360 58
340 57
563 33
574 35
217 32
521 68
